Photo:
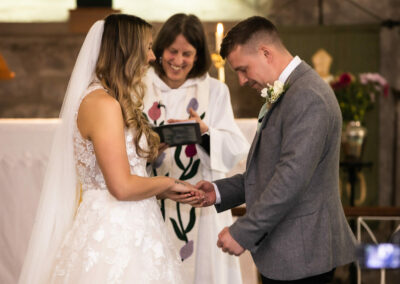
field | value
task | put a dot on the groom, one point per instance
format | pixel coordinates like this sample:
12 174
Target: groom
294 227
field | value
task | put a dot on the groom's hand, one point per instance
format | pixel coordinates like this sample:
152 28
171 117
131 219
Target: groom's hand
228 244
183 192
209 193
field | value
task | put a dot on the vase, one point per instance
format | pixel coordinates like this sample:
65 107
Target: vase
353 139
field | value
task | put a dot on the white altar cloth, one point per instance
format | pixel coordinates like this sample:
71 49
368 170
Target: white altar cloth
24 149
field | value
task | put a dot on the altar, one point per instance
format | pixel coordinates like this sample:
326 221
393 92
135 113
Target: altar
24 150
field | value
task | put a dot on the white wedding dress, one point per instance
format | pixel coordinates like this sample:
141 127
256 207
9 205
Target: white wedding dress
114 241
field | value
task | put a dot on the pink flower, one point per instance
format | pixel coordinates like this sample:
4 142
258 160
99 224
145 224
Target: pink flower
155 111
190 150
358 95
365 78
375 78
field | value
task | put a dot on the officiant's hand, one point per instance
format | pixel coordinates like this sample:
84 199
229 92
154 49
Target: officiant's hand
192 116
209 194
228 244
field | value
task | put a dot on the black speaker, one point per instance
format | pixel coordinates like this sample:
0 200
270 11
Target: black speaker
94 3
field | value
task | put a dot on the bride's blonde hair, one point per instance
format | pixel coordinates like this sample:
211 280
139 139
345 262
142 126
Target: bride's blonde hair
121 65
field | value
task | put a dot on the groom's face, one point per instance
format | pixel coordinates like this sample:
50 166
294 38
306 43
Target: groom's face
251 66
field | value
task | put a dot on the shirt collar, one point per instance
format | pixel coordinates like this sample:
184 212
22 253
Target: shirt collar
289 69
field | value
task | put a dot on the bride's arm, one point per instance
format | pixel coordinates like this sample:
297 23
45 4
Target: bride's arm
100 120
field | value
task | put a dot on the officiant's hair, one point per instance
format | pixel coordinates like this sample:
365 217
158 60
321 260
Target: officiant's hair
192 29
252 28
121 65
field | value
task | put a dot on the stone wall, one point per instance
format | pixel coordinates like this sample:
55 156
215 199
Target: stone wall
43 54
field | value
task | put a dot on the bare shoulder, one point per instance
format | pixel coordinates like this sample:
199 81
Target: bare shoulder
99 101
98 109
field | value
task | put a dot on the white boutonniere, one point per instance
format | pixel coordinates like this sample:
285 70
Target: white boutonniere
272 93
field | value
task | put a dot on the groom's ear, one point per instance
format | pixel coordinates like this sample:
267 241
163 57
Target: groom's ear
266 52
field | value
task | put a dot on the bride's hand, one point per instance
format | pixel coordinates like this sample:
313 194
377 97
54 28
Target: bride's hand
182 192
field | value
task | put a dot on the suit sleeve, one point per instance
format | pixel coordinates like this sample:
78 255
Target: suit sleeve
305 124
232 192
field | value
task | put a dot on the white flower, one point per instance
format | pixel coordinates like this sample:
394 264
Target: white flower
264 92
278 88
272 93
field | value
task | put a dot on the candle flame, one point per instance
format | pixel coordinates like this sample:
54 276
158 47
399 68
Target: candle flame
220 29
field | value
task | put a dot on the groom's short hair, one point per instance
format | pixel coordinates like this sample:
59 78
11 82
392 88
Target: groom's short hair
244 31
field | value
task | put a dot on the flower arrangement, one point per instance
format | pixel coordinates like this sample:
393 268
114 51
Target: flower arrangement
357 95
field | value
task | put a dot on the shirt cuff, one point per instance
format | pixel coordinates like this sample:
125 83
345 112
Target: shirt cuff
217 194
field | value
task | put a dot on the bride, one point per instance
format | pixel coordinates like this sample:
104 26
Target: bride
98 220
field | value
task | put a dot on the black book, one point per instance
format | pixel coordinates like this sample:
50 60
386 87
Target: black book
175 134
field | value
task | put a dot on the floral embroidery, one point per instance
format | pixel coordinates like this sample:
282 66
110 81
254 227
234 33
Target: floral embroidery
154 111
91 258
99 235
187 250
187 165
190 150
194 104
158 162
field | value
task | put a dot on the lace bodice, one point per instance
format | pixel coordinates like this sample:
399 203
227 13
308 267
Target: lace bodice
88 170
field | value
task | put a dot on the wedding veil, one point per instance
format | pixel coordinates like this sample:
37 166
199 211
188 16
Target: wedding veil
59 196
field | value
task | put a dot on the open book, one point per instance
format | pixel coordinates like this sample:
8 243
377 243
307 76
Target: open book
181 133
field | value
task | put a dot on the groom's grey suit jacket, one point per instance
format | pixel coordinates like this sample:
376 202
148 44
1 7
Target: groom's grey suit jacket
295 225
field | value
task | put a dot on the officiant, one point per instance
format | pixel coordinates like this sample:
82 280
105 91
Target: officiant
180 89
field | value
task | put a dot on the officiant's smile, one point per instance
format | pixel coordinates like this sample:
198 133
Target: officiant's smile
177 61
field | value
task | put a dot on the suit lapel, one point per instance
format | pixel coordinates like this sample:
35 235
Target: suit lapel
258 134
297 73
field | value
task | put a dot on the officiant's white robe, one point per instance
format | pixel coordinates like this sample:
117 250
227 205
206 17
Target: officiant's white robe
210 98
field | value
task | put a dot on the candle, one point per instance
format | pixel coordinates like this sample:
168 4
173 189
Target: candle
221 74
218 36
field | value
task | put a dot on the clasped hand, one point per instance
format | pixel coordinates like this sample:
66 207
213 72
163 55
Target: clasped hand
201 195
205 196
183 192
